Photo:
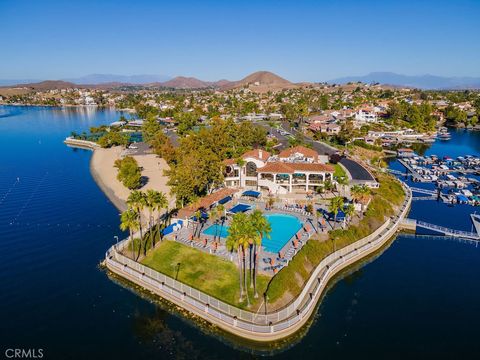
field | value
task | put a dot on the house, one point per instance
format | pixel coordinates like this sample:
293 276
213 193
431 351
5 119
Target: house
330 129
366 114
295 169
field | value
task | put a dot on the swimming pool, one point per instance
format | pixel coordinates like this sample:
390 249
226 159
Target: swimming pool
284 227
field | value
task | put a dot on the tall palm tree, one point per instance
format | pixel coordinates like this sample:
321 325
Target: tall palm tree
328 185
150 205
233 243
136 201
129 221
336 204
349 211
263 229
214 218
221 212
247 236
161 202
343 182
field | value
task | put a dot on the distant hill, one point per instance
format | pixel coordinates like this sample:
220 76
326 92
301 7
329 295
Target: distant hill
420 81
47 85
95 79
261 81
182 82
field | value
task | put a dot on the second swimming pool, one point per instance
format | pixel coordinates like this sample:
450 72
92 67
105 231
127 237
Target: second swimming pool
284 227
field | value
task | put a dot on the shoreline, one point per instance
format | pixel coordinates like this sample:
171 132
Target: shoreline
262 328
104 173
109 193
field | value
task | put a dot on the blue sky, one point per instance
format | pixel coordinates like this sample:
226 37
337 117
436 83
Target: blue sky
299 40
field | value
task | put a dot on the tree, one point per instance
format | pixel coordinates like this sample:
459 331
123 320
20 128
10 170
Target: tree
155 201
263 229
163 147
150 128
136 201
129 221
349 211
241 235
336 204
161 202
129 173
186 122
112 138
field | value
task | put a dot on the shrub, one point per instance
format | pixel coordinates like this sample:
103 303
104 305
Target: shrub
129 173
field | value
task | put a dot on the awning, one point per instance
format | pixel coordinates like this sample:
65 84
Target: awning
239 208
251 193
225 200
173 227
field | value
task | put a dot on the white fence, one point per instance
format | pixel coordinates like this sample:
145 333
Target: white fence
257 323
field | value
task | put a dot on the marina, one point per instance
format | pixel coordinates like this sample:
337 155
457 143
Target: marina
456 181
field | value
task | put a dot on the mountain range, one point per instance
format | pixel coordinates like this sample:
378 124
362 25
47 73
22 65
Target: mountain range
415 81
260 81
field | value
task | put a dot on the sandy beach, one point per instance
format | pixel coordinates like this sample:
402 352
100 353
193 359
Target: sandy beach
105 175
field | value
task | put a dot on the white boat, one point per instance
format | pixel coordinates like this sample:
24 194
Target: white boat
466 192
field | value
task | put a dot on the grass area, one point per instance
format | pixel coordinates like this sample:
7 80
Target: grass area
339 171
293 277
208 273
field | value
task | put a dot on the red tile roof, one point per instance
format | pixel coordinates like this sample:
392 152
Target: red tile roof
205 202
298 149
257 154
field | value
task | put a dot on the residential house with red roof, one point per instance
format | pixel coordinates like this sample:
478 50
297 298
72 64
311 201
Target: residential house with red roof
297 169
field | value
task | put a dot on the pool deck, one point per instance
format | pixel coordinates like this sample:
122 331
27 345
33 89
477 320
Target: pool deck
272 326
270 262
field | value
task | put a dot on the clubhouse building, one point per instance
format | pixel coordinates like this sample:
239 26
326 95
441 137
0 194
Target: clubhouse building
294 170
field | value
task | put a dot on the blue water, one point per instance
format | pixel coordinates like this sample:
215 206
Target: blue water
420 299
284 227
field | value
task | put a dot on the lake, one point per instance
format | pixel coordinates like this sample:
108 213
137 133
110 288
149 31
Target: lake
419 299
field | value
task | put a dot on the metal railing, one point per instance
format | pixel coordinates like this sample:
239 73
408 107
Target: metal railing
271 322
447 231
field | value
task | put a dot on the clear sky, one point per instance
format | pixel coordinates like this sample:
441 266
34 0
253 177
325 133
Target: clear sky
300 40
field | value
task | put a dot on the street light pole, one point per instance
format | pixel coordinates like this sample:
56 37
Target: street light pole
116 238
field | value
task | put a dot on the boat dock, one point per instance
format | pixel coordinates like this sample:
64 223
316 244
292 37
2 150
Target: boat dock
412 224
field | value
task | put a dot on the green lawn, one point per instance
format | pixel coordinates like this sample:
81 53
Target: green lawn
208 273
339 171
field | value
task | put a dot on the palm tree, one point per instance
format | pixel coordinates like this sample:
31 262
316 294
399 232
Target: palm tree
359 193
129 221
214 217
233 243
342 181
336 204
136 201
160 202
263 229
150 205
221 212
349 211
328 185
